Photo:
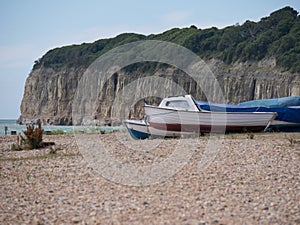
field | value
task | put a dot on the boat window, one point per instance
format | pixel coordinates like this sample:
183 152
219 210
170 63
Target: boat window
178 104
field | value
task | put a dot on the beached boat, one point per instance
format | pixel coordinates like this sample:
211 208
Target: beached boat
138 129
180 115
206 122
287 109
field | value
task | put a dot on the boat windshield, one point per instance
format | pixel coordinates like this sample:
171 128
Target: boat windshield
178 104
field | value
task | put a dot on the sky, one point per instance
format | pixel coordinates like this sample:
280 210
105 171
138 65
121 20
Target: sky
28 29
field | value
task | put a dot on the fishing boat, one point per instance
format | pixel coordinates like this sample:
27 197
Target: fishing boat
287 109
138 129
180 115
206 122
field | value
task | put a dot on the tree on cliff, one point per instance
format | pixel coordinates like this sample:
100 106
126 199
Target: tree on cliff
277 35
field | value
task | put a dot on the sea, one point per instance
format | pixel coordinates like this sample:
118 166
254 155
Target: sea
13 126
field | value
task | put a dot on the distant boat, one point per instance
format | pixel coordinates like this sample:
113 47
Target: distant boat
287 109
180 115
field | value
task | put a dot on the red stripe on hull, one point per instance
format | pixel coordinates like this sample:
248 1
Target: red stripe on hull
205 128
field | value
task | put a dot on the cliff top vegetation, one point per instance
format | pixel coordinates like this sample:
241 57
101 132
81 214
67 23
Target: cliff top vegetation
277 35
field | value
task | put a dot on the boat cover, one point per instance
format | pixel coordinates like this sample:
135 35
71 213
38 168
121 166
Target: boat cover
288 114
273 102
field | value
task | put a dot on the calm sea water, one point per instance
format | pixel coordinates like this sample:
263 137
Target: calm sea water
13 126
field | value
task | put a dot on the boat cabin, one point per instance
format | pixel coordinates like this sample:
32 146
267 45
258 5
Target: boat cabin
183 102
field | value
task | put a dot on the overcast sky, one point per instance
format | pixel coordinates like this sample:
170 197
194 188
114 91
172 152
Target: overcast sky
30 28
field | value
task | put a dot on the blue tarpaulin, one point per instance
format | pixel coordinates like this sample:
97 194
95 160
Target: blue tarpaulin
288 114
273 102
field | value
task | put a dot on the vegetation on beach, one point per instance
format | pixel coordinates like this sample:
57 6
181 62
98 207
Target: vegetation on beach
292 140
33 138
276 36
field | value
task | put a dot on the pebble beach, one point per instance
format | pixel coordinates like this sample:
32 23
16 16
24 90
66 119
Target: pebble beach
251 180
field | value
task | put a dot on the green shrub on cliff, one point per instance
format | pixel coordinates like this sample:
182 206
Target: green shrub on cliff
277 35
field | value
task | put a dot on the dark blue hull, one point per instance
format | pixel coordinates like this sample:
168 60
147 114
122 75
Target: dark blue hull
137 135
137 129
285 128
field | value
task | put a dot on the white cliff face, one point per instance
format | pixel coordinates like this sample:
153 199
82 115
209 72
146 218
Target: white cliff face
49 94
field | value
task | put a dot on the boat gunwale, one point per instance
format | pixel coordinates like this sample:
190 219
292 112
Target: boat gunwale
209 112
136 122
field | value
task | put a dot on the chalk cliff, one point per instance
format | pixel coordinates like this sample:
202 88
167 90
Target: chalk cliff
255 60
49 94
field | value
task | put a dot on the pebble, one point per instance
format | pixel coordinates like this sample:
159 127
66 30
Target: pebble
248 182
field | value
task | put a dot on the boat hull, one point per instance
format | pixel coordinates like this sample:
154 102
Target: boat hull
198 128
139 129
284 126
206 122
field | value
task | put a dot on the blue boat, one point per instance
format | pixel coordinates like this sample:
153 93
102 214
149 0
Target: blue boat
287 108
137 129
